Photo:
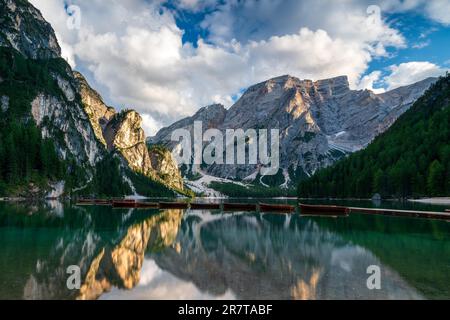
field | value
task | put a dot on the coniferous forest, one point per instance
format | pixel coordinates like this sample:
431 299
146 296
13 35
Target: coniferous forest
411 159
27 159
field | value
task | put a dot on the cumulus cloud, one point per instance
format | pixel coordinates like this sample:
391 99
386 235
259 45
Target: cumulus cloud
437 10
411 72
195 5
150 125
259 19
368 82
134 51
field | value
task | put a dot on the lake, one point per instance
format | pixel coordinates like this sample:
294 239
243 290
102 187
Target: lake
183 254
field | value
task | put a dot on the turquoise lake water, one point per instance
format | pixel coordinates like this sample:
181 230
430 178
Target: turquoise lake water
183 254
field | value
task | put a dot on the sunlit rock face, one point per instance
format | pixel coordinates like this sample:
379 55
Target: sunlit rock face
78 121
24 29
166 167
123 132
98 112
60 117
319 121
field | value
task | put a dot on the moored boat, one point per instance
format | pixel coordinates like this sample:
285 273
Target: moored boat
85 202
173 205
323 210
93 202
239 207
205 206
102 202
124 204
264 207
146 205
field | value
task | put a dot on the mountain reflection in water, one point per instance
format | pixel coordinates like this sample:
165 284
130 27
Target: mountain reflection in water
177 254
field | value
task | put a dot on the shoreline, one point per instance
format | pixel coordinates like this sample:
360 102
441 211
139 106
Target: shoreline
436 201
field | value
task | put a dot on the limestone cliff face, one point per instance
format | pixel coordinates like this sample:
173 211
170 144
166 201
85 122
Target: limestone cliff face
56 118
23 28
83 128
319 121
98 112
166 167
58 113
123 132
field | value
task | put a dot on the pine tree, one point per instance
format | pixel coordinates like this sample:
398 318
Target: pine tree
412 158
436 176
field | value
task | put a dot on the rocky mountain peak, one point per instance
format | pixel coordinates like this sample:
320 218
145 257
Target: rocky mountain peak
98 112
319 121
23 28
334 86
69 112
211 115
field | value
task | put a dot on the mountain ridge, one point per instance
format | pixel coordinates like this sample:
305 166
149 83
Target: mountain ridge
319 121
40 91
410 159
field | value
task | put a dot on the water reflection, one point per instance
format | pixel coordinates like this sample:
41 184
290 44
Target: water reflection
175 254
120 266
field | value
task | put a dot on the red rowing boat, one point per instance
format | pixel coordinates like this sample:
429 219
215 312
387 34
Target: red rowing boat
263 207
103 203
173 205
93 202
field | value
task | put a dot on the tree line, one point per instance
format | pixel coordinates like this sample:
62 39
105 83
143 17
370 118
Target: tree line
411 159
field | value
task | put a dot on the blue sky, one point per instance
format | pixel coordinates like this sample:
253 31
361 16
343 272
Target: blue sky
169 58
428 39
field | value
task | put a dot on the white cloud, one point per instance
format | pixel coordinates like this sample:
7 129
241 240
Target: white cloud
195 5
411 72
421 45
261 19
134 50
368 82
437 10
150 125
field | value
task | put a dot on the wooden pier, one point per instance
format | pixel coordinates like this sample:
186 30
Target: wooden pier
403 213
304 209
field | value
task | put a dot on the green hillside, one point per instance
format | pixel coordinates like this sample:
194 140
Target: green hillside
411 159
28 162
25 157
